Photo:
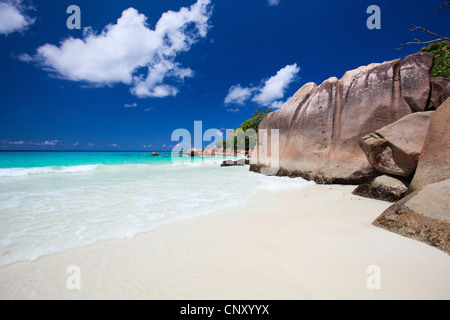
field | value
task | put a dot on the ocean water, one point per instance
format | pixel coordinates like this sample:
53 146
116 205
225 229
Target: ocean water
51 202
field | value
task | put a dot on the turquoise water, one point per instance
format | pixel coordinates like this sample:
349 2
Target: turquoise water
54 201
42 159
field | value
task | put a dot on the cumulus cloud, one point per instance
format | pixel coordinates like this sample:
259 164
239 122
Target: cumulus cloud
130 52
238 95
269 94
277 104
273 2
13 17
275 87
25 57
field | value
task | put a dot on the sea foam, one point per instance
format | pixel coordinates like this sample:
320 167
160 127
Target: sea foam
19 172
54 209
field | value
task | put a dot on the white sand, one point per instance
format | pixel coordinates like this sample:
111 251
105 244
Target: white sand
310 243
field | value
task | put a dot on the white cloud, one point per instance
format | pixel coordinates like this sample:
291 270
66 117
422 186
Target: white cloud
13 17
276 104
149 109
48 143
25 57
273 2
76 143
238 95
275 87
122 50
16 142
233 110
114 145
268 94
133 105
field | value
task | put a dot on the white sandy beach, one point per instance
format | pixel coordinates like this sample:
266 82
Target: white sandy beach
310 243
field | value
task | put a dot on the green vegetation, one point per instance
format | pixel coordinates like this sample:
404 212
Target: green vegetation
256 119
245 136
441 51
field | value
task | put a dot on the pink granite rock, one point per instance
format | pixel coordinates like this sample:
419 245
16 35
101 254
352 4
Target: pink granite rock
321 126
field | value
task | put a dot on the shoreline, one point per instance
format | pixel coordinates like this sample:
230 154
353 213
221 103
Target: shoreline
314 242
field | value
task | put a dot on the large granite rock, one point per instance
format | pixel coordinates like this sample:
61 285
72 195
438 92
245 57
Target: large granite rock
384 188
321 126
423 215
434 160
395 149
415 88
440 91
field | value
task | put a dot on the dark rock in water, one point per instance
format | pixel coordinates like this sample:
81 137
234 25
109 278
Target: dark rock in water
423 215
384 188
395 149
231 163
155 154
193 152
320 127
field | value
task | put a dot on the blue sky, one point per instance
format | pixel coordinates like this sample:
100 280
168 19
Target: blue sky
138 70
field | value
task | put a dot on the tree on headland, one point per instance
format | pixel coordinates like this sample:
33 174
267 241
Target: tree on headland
256 119
242 138
439 46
